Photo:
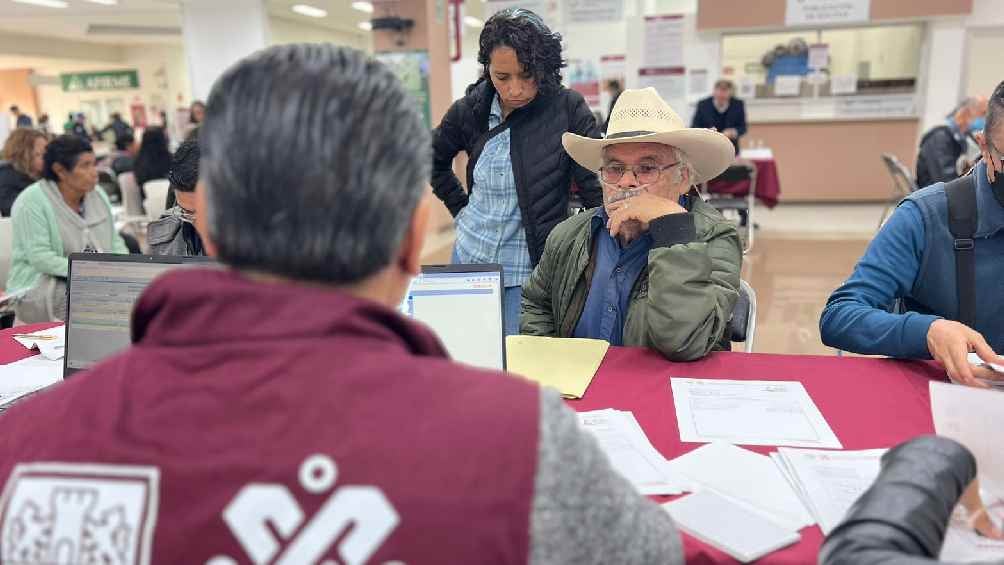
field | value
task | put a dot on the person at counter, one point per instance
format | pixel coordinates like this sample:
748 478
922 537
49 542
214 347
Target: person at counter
941 147
655 266
722 112
912 262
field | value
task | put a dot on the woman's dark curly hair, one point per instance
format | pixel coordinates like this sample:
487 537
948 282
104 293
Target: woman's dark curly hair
537 48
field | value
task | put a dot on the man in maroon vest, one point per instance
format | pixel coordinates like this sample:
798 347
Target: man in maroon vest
280 410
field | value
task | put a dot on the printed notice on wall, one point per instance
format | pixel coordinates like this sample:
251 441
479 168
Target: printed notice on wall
663 45
670 82
590 11
815 12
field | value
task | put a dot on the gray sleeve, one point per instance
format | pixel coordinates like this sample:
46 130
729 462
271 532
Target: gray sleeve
584 511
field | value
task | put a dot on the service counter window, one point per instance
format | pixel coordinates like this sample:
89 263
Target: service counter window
873 60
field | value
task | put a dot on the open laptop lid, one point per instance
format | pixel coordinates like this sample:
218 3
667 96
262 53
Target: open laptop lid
102 289
462 304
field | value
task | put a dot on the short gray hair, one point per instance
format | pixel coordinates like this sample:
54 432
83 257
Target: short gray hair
314 160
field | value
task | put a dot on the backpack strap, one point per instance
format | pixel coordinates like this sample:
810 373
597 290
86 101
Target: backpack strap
962 220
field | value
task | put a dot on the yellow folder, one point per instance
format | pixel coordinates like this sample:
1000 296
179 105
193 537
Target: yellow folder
566 364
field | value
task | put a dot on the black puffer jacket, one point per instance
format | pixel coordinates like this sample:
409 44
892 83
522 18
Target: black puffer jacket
940 148
12 182
542 169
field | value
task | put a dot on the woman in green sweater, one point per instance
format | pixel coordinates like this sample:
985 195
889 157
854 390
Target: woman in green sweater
60 214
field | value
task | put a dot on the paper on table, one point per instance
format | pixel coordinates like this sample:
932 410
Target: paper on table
972 417
745 476
49 348
832 480
749 413
757 154
26 376
630 452
567 364
963 545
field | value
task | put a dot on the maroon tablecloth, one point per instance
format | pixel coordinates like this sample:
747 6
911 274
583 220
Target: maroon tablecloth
869 403
10 350
768 187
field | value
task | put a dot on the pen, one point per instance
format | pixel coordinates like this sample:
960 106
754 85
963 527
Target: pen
35 337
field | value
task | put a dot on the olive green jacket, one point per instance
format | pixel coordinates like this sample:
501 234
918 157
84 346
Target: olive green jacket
681 303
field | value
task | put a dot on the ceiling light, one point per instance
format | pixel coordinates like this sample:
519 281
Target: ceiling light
46 3
104 2
471 21
310 11
365 26
363 7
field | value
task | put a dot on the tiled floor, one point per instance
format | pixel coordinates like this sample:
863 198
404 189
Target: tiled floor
800 254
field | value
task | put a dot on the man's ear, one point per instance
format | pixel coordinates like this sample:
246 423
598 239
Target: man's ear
410 258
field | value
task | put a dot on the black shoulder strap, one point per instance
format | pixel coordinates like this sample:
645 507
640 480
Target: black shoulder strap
962 218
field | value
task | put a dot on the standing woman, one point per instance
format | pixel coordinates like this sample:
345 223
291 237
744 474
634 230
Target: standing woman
510 125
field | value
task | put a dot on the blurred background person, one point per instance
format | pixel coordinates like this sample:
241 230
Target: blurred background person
942 145
723 112
614 89
175 232
153 160
43 125
79 127
60 214
124 158
20 120
118 127
196 113
71 120
22 165
519 177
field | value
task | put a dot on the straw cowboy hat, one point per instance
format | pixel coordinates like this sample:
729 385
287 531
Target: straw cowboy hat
640 116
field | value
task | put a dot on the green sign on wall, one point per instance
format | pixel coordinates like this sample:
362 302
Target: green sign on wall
101 80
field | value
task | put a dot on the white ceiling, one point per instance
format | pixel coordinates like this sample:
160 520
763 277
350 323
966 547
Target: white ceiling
73 22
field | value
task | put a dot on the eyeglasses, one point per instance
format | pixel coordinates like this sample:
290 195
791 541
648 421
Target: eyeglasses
645 174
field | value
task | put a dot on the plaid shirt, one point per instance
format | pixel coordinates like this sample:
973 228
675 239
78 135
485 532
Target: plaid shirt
490 227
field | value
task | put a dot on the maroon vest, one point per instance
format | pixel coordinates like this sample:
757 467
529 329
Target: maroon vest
271 424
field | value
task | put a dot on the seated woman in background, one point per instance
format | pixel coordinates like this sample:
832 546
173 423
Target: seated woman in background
175 233
22 156
56 216
154 158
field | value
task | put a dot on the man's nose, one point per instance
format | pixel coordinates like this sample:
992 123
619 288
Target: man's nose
628 181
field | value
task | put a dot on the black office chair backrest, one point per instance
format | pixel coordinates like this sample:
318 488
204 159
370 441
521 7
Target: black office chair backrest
736 172
742 325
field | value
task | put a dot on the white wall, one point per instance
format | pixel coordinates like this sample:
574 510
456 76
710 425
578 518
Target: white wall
285 31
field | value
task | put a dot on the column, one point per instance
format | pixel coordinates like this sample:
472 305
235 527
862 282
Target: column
217 34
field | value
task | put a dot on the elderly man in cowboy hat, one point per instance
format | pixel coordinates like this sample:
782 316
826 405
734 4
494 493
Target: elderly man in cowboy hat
655 266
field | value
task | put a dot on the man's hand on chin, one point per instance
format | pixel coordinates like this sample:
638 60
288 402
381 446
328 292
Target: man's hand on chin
639 211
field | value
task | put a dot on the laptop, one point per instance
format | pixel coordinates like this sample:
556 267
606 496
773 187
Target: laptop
102 289
463 306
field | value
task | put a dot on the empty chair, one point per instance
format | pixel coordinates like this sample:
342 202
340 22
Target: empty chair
903 183
155 202
132 201
742 325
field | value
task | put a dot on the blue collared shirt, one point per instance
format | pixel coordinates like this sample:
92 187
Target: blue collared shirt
617 269
490 227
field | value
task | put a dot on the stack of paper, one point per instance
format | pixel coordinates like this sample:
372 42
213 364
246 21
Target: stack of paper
749 413
971 416
631 454
566 364
50 343
829 482
963 545
975 360
27 376
748 478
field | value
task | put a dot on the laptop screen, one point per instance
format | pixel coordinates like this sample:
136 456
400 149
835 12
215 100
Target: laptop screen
103 290
463 306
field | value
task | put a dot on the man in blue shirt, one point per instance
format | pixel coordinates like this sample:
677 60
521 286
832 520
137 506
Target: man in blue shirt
912 260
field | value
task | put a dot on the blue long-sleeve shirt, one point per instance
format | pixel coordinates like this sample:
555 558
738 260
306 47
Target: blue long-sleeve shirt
857 316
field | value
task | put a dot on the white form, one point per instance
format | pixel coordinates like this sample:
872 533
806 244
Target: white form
748 478
972 417
631 454
963 545
749 413
27 376
832 480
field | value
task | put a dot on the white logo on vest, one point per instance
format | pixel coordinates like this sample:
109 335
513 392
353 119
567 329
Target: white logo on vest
75 514
258 506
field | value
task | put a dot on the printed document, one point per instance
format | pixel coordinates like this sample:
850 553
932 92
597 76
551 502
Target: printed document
830 481
973 417
749 413
630 452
